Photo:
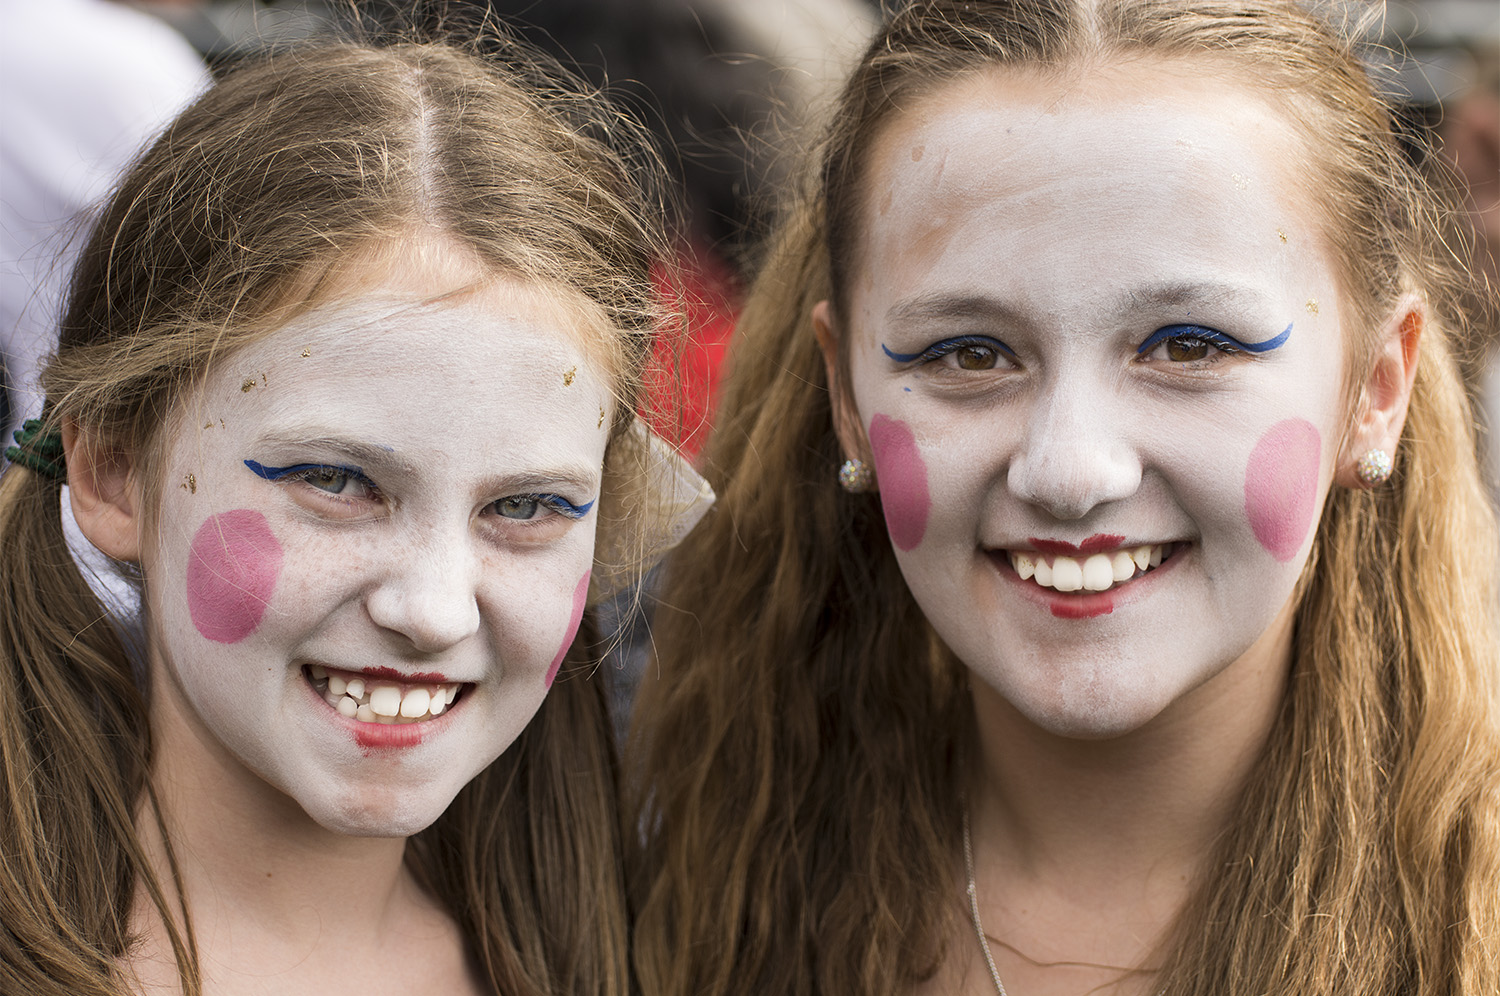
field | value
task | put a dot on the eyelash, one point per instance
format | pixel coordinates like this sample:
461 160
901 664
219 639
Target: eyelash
938 350
556 503
1169 333
304 471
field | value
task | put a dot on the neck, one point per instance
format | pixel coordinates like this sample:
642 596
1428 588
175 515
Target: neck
1085 850
275 900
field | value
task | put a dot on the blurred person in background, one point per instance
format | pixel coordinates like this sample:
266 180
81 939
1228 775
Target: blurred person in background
85 84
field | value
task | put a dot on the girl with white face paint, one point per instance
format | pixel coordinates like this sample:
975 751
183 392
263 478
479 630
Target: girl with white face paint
349 375
1123 661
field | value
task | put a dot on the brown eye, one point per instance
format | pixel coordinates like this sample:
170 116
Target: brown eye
976 358
1186 349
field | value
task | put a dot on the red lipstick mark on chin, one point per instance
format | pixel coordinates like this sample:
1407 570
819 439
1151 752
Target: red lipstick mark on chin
379 736
232 568
1097 543
580 595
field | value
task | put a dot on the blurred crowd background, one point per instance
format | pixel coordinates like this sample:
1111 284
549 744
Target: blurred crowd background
734 88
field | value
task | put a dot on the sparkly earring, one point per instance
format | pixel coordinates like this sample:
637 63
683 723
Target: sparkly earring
1374 468
856 477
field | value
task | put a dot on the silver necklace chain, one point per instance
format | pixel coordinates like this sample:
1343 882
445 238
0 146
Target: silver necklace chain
973 890
984 942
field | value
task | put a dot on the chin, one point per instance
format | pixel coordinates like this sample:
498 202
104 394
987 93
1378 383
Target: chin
380 813
1093 712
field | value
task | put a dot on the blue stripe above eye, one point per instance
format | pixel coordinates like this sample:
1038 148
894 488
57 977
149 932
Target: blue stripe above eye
1212 337
947 346
277 473
568 508
900 357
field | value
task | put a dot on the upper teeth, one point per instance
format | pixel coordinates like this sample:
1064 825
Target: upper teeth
1098 572
371 700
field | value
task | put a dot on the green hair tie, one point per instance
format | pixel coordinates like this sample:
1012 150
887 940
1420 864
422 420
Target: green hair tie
39 451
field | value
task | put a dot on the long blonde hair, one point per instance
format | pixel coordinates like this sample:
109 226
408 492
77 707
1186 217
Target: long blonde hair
797 767
291 171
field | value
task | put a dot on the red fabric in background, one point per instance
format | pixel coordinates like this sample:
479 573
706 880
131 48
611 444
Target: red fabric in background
682 390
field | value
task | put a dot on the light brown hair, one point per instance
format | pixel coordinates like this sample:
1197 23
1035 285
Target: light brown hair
291 174
796 764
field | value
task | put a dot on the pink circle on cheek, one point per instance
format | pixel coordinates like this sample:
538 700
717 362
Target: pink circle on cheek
580 595
1281 486
903 480
231 572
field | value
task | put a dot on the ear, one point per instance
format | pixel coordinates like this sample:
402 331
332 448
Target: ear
101 487
1381 411
846 422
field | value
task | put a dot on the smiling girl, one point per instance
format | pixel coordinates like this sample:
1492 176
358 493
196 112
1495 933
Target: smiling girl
1148 644
348 375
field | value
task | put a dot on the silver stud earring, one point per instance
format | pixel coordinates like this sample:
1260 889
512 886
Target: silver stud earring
1374 468
856 477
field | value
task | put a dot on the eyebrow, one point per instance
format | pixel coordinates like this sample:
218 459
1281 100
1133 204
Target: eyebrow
383 460
1181 294
947 307
367 454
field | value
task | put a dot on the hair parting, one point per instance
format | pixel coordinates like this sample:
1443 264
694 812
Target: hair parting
807 842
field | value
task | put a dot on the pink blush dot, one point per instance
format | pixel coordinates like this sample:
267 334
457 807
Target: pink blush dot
1281 486
903 481
232 569
580 595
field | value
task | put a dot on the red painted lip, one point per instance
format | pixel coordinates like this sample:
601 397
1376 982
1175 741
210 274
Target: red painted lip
1083 604
415 678
1097 543
378 736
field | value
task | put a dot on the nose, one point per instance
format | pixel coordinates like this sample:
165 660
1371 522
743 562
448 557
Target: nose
1074 455
429 592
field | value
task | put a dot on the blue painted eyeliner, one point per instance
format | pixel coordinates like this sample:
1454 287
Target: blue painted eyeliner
277 473
947 346
1213 338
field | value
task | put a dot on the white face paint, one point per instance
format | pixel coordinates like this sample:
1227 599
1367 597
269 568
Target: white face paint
1094 325
389 493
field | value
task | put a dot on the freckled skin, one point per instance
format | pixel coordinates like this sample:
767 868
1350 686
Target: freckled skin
580 595
903 481
231 574
1070 230
1281 486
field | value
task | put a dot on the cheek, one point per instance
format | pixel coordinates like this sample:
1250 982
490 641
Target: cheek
231 572
1281 486
580 594
903 481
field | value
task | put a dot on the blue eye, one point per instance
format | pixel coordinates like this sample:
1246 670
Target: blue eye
1186 343
525 507
970 352
342 482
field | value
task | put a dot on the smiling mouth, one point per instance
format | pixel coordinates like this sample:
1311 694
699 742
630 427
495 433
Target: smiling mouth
370 699
1096 572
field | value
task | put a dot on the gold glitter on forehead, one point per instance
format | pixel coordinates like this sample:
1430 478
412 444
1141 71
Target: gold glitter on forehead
1312 306
190 484
1281 235
568 377
601 417
306 352
247 385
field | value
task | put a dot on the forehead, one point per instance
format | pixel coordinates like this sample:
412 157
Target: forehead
498 371
1165 170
